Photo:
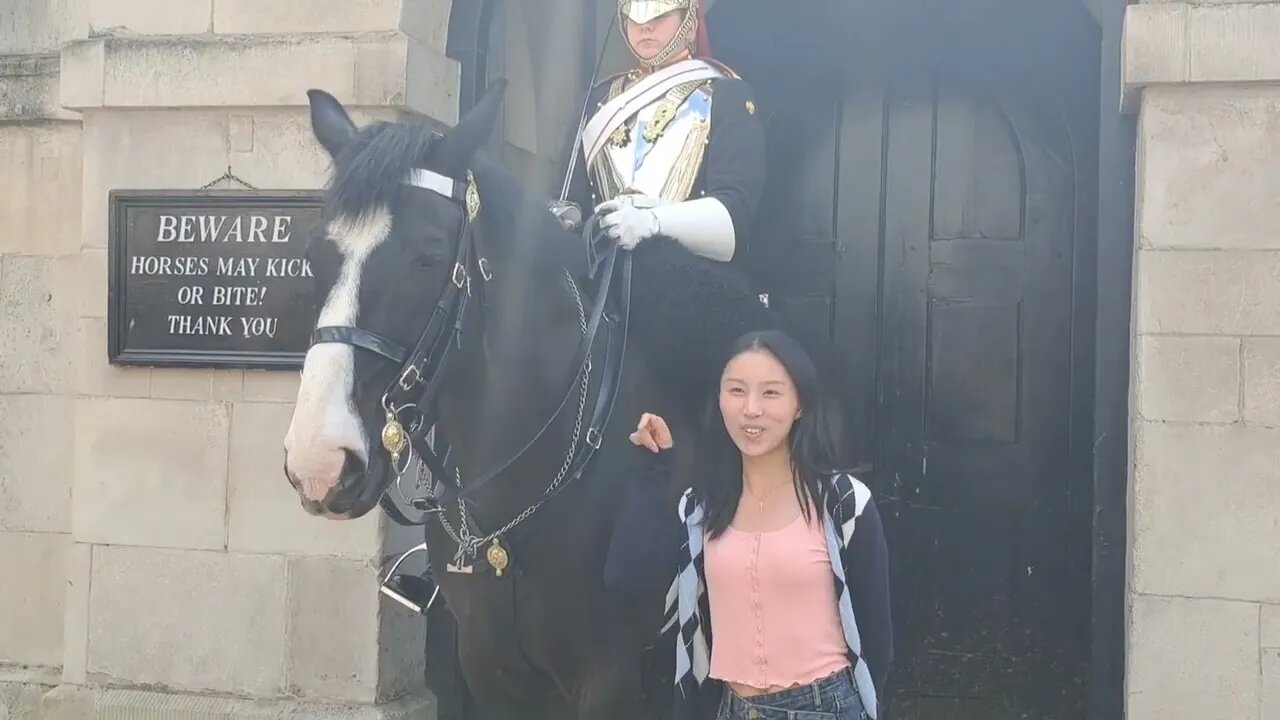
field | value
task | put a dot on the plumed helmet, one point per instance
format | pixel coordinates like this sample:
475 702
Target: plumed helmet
643 11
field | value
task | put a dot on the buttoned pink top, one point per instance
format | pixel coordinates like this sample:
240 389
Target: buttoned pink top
774 614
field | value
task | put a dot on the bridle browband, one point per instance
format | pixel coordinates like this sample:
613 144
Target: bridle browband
409 401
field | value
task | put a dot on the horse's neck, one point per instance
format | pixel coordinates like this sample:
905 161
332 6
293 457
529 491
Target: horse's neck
507 382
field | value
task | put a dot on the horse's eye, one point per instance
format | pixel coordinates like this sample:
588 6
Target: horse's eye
428 258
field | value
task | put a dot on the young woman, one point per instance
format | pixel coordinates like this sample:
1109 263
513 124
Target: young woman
786 565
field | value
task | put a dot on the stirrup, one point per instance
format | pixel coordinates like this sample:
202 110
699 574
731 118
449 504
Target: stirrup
416 592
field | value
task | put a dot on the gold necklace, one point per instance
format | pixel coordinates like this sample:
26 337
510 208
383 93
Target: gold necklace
761 499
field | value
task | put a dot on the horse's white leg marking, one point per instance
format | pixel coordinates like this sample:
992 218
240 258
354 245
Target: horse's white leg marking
325 422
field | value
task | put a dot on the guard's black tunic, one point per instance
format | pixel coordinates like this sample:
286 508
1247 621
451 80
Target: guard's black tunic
733 167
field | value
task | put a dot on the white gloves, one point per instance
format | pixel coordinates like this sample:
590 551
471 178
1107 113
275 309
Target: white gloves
626 222
703 225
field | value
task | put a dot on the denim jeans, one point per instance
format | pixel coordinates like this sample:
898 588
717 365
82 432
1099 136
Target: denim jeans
834 697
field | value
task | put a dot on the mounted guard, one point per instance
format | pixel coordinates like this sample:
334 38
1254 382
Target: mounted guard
672 150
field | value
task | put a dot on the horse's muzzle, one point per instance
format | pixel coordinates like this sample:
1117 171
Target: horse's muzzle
356 492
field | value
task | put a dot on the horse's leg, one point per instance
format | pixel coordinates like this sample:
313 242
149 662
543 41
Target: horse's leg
612 689
503 688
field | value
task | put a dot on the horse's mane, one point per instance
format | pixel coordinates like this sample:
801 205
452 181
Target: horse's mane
369 170
512 212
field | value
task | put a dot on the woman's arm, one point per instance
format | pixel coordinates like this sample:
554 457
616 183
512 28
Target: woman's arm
652 432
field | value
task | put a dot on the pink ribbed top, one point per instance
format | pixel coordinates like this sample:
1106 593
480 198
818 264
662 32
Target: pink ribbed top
774 615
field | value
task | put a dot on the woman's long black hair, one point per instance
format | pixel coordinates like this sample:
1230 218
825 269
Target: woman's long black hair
813 438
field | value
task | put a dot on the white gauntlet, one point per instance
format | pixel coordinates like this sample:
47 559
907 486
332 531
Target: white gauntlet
704 225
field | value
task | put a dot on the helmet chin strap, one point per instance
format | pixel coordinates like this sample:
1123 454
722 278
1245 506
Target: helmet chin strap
682 41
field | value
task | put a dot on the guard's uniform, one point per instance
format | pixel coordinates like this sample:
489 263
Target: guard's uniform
700 139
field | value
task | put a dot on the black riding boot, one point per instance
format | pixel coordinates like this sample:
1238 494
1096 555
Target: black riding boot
645 546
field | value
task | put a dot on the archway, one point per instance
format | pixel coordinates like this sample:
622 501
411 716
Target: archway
930 207
921 69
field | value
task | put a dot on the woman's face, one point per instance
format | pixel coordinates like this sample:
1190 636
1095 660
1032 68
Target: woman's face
759 402
649 39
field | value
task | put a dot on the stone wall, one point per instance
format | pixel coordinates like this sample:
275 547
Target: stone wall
153 553
1204 600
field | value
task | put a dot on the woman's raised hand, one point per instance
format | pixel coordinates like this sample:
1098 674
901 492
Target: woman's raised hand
653 433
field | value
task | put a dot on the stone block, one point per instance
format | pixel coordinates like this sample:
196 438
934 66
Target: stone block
1207 293
433 82
95 376
32 26
401 651
91 282
1270 684
1154 44
283 17
426 20
73 702
1262 381
201 72
1271 626
204 621
324 594
228 384
29 85
40 188
271 386
35 463
36 324
75 622
150 472
1233 42
83 70
1191 379
1204 511
1178 42
148 17
265 513
282 151
31 597
1207 168
22 700
1192 658
144 150
186 71
182 383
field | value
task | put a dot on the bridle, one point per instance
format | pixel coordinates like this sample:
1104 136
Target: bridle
410 400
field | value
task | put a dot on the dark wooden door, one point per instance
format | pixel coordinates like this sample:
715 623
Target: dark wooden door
923 210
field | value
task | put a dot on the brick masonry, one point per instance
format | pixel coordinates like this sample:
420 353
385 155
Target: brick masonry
1204 80
140 507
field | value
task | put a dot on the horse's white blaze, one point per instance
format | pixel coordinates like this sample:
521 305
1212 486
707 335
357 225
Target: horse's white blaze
325 421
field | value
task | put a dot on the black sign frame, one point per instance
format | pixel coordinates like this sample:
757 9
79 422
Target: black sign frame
120 202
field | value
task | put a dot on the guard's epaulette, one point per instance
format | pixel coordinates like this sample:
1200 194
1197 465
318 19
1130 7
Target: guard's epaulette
721 67
608 79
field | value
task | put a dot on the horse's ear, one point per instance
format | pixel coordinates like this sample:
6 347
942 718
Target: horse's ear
471 132
330 123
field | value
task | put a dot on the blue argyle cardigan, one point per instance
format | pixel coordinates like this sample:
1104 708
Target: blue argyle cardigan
860 571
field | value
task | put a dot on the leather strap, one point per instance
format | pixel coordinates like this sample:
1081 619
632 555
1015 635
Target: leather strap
348 335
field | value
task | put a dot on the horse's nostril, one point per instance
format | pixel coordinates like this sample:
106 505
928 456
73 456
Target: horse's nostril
291 477
352 467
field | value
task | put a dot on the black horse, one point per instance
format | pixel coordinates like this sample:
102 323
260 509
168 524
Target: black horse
438 279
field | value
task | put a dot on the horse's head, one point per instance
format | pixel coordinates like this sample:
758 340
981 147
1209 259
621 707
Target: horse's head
384 256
